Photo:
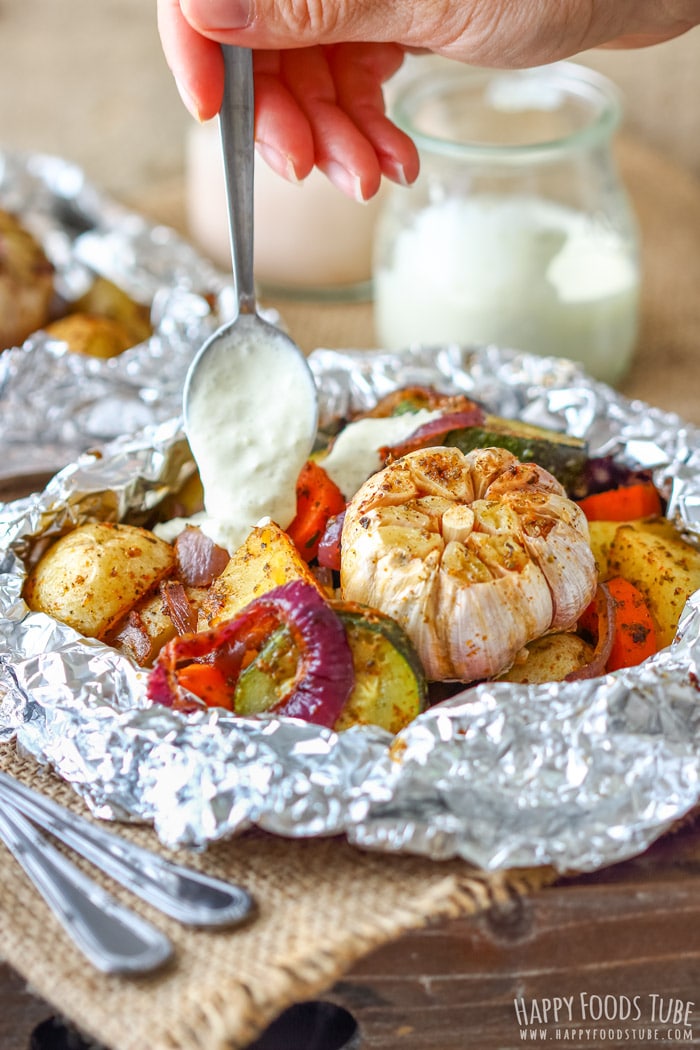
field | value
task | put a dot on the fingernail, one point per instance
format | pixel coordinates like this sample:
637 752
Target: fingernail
348 181
396 172
189 102
280 162
229 14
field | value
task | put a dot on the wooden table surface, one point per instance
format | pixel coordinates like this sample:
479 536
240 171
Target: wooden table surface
630 932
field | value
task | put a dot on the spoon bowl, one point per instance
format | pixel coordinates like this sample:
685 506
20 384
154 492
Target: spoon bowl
220 358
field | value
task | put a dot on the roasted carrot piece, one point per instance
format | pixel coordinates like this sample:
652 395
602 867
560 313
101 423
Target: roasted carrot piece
318 499
208 683
634 633
627 503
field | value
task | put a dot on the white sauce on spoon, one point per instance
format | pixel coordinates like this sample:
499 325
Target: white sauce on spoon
251 427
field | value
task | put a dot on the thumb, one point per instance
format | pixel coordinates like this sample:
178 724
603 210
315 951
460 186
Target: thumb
279 24
483 32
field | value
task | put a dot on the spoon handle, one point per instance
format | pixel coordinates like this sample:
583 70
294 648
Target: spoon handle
237 140
185 894
113 938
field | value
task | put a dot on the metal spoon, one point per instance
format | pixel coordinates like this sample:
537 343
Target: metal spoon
190 896
227 346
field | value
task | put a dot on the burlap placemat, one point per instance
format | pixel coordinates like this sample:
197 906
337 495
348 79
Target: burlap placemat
321 905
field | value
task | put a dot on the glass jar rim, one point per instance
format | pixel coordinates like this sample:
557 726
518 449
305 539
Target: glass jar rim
570 77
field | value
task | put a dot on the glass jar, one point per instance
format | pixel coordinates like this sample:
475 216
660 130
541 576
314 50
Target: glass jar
518 231
310 241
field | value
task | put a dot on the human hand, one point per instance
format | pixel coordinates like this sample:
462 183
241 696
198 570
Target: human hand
319 68
314 106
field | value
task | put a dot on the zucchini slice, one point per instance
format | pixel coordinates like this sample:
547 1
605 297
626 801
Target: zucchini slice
390 687
562 455
267 679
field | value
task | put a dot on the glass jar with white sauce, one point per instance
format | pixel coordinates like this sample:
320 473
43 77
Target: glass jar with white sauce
518 231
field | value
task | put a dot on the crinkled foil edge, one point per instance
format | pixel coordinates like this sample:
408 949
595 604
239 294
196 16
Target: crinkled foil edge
55 403
574 775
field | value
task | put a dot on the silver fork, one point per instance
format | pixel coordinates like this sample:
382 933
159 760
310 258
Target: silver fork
113 938
185 894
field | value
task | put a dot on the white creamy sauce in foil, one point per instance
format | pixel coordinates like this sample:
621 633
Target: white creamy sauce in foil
354 455
251 426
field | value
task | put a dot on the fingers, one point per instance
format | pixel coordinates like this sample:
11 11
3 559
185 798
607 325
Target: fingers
308 110
339 92
195 62
341 150
272 24
358 73
282 131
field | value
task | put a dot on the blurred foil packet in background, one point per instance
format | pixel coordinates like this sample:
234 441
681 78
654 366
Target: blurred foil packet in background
55 404
577 775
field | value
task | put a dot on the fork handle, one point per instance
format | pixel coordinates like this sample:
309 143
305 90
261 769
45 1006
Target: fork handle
190 896
113 938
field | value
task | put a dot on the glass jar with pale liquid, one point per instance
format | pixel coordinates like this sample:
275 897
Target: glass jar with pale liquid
518 231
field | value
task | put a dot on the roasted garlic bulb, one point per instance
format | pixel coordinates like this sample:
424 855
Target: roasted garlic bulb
474 555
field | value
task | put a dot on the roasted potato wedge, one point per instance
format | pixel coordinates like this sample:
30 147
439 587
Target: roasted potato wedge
664 568
267 559
602 534
106 299
549 659
184 503
149 626
26 282
92 335
91 577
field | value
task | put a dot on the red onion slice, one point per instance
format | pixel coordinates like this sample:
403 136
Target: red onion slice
425 435
329 545
177 603
606 611
199 559
325 675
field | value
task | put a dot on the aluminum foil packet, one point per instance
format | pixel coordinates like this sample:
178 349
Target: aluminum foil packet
576 775
55 404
